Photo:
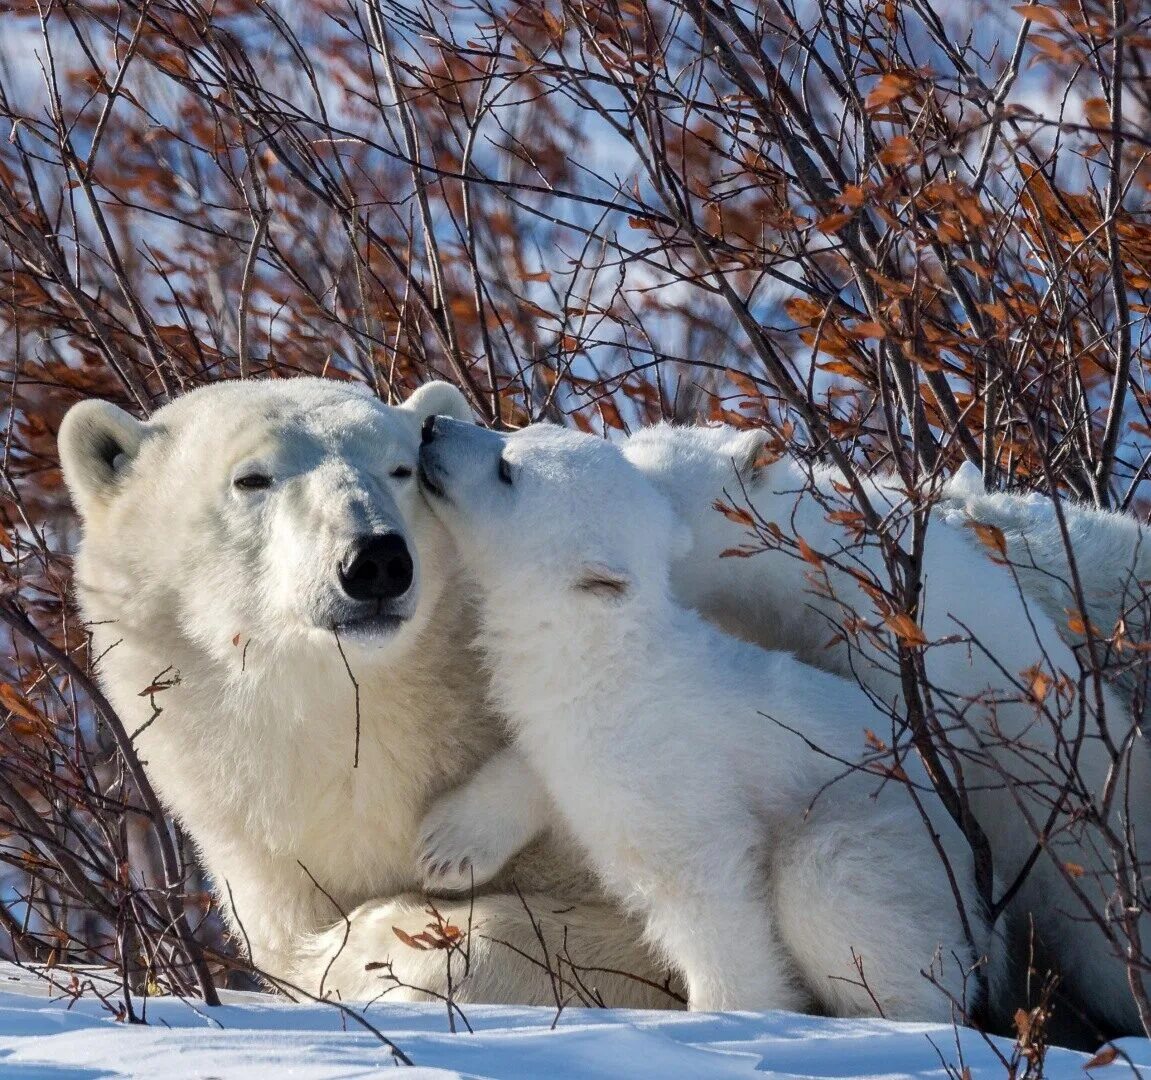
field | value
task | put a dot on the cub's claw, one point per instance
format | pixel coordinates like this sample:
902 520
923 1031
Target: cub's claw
455 856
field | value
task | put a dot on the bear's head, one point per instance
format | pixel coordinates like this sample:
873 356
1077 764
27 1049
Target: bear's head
555 518
257 516
695 467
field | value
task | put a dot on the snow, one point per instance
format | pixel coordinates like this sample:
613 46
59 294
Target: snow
44 1034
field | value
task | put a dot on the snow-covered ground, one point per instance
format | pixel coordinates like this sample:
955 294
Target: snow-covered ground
255 1036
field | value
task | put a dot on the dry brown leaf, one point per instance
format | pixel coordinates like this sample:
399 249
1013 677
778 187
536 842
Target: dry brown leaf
1105 1056
807 552
905 628
1045 16
990 536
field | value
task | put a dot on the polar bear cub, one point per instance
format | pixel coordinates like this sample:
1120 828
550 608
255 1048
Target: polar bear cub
1112 562
1048 774
709 781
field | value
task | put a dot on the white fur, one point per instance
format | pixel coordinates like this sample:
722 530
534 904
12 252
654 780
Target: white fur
462 843
775 598
1112 557
644 725
232 594
772 599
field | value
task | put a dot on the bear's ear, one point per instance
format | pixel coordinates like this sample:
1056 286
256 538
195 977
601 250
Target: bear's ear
97 441
600 579
439 399
747 452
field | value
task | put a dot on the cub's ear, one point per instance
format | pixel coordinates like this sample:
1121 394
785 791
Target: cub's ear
747 452
607 582
97 442
439 399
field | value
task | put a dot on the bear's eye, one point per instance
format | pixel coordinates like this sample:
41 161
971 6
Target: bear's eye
505 472
401 472
252 482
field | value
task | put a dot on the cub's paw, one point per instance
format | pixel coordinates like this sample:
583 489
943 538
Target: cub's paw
457 848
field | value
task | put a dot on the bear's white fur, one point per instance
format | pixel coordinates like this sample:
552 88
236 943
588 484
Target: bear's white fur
988 645
1112 557
986 639
302 788
682 759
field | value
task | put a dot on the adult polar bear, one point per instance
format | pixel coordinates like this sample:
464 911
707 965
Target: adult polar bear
223 541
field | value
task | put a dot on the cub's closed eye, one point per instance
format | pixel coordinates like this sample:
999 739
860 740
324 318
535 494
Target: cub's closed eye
401 472
252 482
505 472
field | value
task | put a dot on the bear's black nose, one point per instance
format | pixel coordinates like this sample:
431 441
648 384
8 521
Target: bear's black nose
378 568
428 431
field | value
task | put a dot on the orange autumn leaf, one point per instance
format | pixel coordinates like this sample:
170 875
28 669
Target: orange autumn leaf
17 703
905 628
990 536
891 87
808 553
734 513
803 311
1105 1057
1045 16
900 151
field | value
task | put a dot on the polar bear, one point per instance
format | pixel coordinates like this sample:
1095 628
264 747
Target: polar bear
259 555
763 872
991 655
1112 557
986 640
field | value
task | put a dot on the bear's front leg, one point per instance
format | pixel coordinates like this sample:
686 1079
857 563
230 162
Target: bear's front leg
468 834
728 953
269 904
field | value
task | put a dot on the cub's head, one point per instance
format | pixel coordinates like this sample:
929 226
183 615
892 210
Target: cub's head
547 515
258 515
694 466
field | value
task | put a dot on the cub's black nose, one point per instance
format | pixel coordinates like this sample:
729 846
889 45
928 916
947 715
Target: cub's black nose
428 431
378 568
